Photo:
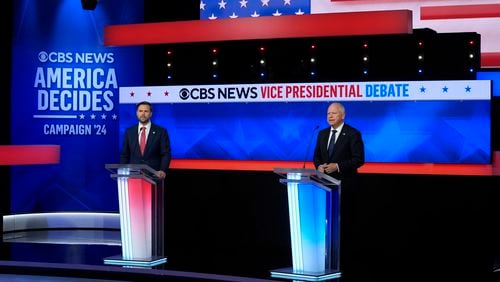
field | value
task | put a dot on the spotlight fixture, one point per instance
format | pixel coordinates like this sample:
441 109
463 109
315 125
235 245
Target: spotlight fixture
89 4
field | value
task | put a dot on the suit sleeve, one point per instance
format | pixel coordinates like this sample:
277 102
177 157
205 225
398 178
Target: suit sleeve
165 150
357 159
317 160
125 152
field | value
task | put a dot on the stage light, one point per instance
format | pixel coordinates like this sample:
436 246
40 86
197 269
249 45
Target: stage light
313 60
365 72
471 70
420 44
420 71
169 65
262 49
89 4
471 56
420 57
169 77
365 45
313 46
262 74
214 63
262 62
214 76
214 50
365 59
169 52
472 42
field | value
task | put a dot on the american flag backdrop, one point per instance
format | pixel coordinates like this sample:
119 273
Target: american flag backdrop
223 9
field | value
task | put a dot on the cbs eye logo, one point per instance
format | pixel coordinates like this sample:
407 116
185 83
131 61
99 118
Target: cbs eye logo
184 94
43 56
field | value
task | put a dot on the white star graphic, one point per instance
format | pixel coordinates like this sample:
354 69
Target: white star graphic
277 13
222 4
254 15
212 17
243 3
92 116
287 2
103 116
82 116
202 5
265 3
299 12
115 116
233 16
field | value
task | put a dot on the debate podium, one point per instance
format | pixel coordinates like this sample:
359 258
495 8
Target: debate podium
314 215
140 196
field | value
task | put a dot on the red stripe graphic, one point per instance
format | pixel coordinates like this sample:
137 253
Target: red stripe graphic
490 59
316 25
29 154
460 12
387 168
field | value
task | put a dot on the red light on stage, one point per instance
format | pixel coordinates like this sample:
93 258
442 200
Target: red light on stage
214 51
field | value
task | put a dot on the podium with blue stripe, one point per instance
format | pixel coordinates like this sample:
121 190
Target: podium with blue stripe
314 215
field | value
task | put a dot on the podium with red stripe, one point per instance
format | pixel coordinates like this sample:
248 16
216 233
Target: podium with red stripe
140 195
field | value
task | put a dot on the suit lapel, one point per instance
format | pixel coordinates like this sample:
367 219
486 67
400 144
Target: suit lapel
135 139
340 140
151 138
339 143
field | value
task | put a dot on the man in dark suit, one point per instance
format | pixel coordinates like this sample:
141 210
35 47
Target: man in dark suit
347 151
339 153
157 153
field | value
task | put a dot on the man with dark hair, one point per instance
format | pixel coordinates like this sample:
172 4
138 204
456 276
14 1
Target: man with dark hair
146 142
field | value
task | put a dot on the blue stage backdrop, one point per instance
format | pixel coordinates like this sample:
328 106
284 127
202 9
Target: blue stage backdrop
401 121
65 91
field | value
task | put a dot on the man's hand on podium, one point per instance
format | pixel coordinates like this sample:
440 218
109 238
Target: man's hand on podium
161 174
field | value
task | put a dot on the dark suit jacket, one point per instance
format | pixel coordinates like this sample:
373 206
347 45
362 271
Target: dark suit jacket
349 151
157 153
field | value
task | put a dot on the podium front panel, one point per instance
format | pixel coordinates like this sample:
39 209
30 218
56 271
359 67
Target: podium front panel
314 217
140 195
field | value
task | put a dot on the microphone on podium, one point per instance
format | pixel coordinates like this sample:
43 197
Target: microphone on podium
309 145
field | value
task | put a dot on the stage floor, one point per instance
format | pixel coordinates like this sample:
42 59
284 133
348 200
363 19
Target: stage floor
78 255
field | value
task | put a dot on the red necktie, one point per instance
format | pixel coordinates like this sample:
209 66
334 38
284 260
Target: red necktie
142 141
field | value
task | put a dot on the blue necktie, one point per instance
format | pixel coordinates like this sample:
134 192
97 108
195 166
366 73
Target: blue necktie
331 144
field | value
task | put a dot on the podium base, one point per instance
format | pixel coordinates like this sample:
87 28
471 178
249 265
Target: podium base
288 273
119 260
